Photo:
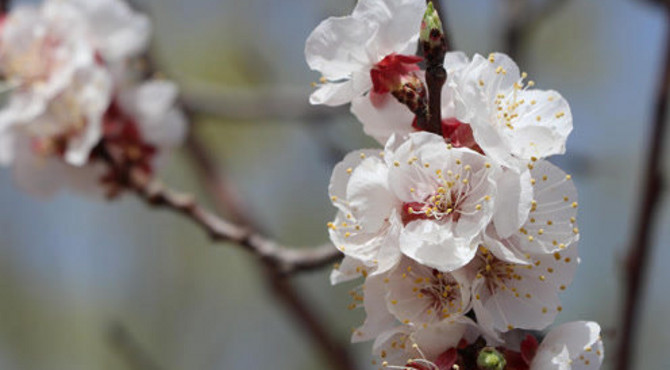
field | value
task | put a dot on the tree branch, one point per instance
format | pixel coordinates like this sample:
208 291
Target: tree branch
287 260
640 244
276 276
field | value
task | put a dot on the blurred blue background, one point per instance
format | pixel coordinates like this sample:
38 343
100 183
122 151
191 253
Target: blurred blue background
71 267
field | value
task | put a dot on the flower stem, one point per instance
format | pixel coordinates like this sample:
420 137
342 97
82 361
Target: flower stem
434 46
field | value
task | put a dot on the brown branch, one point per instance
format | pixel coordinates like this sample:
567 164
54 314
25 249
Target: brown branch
434 47
120 339
640 244
287 260
279 261
299 307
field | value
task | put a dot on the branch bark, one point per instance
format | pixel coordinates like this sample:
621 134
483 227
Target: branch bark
277 277
640 244
287 260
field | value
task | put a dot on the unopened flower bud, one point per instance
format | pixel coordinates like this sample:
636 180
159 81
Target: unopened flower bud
490 359
432 35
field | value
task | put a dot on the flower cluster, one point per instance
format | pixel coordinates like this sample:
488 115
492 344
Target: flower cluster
78 112
463 230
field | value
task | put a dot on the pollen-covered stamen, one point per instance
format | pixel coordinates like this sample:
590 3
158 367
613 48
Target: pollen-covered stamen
33 64
451 198
497 273
422 295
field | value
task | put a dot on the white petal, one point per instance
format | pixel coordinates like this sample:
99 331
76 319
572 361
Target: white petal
420 295
378 319
427 242
349 269
370 199
546 137
513 204
92 93
524 296
152 104
118 31
574 345
436 339
337 190
336 47
551 223
382 121
399 22
334 93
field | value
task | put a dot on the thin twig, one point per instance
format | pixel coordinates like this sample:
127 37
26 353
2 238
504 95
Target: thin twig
278 282
640 244
279 262
120 338
287 260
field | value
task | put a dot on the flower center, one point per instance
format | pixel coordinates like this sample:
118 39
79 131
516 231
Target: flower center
33 64
496 272
388 74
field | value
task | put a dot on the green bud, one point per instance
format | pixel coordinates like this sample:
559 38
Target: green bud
431 26
490 359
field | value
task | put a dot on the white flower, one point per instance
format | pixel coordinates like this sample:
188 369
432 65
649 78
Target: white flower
71 123
509 295
421 295
550 215
424 198
40 51
574 345
378 318
345 49
447 196
382 116
367 224
511 123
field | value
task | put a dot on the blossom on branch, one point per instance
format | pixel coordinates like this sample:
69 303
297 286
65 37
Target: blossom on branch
464 232
377 36
74 100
